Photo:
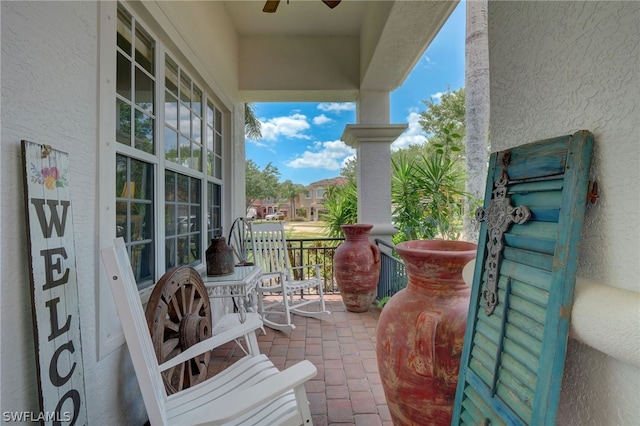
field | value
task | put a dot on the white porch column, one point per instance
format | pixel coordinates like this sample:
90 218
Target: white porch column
372 143
372 138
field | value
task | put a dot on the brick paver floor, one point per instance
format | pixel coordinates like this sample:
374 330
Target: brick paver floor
347 389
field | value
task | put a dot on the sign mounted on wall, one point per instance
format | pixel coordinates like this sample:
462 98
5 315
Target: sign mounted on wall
54 285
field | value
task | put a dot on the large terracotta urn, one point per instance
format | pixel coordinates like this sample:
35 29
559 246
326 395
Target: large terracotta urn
356 265
421 330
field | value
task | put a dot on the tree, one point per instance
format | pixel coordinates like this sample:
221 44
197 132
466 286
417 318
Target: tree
290 190
349 170
445 117
427 193
260 184
341 204
252 126
477 107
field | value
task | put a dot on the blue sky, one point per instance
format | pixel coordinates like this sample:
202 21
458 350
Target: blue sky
303 139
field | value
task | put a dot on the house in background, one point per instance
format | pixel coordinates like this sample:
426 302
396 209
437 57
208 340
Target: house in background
152 93
311 201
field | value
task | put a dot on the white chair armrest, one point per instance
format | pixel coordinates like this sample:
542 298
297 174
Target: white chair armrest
252 324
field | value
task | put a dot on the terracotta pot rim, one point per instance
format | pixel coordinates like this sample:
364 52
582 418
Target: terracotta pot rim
357 225
441 247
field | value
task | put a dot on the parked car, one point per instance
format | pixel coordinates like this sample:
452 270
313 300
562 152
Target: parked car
275 216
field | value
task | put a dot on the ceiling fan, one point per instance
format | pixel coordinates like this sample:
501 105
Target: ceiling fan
272 5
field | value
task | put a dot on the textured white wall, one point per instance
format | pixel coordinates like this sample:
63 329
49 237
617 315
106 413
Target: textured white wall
49 95
558 67
50 89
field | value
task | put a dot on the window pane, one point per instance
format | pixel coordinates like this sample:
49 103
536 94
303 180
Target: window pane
218 121
144 50
169 220
195 219
123 122
183 189
195 248
143 263
141 219
209 139
185 120
171 110
196 157
144 91
143 132
218 168
213 209
196 105
209 115
185 89
194 191
124 31
123 76
170 253
171 76
170 145
209 164
142 179
218 145
170 186
196 128
185 151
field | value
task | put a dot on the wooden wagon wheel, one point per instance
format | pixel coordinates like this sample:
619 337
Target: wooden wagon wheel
179 316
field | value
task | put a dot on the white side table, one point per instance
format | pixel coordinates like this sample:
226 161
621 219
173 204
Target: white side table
241 286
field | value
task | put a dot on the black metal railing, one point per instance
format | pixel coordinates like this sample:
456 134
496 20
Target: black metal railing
393 274
311 251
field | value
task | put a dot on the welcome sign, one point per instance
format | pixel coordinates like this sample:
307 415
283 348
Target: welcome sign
54 286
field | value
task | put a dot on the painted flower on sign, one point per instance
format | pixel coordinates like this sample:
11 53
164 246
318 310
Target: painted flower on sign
50 177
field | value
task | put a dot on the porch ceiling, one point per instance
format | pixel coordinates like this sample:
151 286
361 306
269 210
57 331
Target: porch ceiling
309 52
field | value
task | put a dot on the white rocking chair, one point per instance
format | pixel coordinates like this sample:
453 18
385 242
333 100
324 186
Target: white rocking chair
251 391
293 287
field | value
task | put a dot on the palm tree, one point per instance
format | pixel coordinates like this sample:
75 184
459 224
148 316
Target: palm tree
290 190
252 126
477 108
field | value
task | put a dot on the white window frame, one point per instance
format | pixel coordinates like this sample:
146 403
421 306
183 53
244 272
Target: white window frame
109 335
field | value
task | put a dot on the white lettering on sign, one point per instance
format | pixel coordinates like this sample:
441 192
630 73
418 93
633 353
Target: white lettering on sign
54 288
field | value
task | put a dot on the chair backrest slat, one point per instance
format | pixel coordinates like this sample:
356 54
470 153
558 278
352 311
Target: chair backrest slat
269 245
136 332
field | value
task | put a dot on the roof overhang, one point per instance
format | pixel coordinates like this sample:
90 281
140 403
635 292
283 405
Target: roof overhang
309 52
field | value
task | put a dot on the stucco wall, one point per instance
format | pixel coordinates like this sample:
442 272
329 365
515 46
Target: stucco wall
49 95
50 86
558 67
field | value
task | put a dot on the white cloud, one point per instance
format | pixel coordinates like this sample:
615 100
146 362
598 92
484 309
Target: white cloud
437 96
321 119
413 135
323 155
336 107
292 126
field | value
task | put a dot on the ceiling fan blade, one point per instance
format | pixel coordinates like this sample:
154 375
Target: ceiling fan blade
331 3
271 6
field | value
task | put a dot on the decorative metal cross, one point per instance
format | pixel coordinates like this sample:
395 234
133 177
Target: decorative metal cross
499 216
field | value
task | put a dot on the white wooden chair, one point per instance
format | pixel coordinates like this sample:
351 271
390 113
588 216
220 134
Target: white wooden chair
293 287
251 391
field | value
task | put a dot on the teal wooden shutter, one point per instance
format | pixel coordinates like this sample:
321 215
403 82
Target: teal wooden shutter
513 358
